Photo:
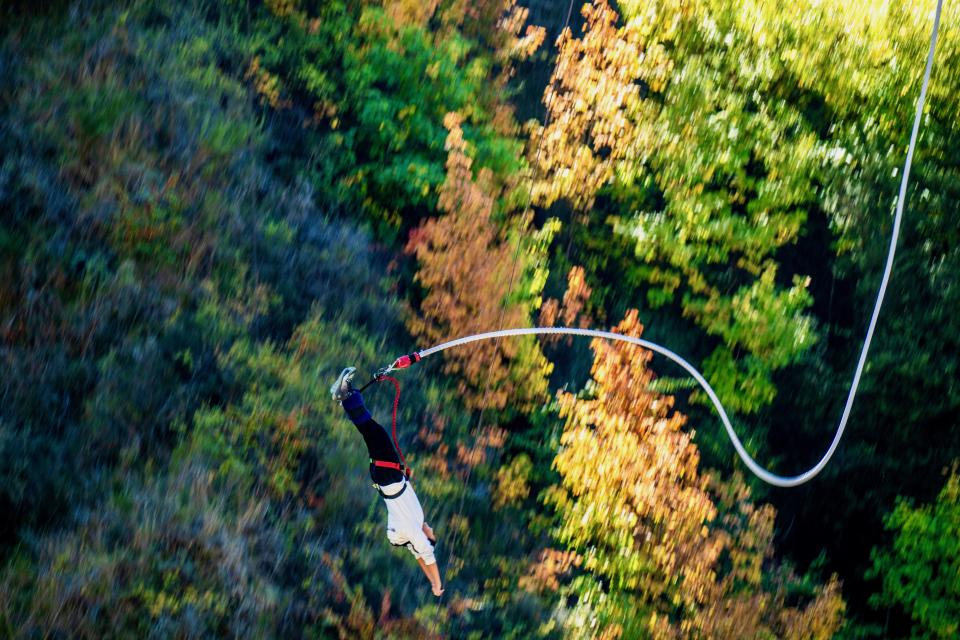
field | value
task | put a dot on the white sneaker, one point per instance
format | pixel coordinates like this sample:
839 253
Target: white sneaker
342 387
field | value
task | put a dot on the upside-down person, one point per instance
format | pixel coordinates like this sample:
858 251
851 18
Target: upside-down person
405 523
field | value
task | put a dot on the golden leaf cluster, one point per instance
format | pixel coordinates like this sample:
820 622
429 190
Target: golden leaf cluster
516 47
411 12
551 566
594 107
267 85
570 311
683 547
512 485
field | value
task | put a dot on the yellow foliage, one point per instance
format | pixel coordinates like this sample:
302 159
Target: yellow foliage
512 482
633 473
594 109
515 46
411 12
820 620
643 518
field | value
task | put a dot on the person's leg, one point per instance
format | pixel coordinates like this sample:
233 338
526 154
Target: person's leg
379 444
433 575
422 548
355 409
406 518
422 551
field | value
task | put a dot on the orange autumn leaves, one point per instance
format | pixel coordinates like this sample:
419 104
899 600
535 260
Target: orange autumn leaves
572 310
466 268
678 553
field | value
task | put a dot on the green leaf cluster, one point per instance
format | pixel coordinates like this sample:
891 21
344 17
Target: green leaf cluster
920 570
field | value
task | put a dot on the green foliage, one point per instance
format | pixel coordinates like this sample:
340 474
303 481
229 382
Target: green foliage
380 88
733 161
165 262
262 443
920 571
908 396
119 215
774 149
168 558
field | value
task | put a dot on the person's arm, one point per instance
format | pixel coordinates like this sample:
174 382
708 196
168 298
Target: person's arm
433 575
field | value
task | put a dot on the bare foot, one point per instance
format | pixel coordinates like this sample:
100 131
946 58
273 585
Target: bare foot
428 531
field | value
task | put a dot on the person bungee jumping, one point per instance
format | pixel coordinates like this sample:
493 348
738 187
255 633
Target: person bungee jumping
405 521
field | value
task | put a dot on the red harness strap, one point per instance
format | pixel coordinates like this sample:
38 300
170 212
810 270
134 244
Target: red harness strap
402 466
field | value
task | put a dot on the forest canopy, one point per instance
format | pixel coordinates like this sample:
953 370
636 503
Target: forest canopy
207 210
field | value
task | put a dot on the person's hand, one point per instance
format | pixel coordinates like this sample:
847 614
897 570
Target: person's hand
428 531
437 589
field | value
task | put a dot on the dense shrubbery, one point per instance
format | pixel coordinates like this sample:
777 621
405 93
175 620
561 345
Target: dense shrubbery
178 309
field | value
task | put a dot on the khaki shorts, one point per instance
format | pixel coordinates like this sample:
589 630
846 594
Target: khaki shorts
405 522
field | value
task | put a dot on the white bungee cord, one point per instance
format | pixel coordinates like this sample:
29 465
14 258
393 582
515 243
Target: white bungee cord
765 475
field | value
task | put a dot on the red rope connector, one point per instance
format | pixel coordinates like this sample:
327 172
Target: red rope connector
405 361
